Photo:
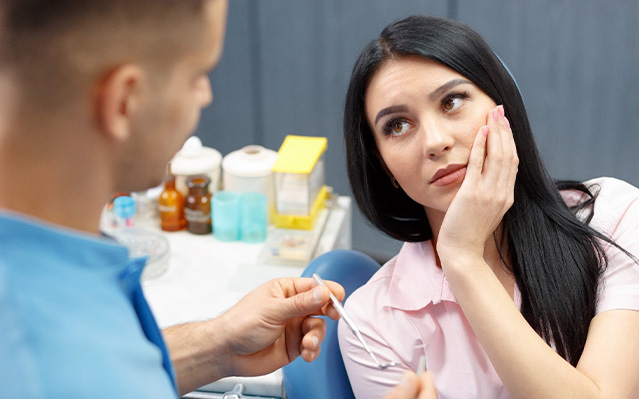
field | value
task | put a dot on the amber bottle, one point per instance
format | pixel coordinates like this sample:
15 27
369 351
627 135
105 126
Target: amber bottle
198 205
171 206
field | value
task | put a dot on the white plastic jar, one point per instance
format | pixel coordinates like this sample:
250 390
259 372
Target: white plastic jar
196 159
249 170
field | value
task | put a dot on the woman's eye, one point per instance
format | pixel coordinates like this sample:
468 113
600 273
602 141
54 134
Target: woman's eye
396 127
452 104
453 101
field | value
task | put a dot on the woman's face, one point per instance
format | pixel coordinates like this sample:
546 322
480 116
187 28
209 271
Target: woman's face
424 117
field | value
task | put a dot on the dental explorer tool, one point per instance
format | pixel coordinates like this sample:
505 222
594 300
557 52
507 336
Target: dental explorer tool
340 309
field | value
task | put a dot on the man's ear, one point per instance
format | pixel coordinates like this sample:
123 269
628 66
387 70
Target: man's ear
117 100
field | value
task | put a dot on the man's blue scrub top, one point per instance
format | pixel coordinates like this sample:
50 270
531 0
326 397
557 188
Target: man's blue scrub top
73 319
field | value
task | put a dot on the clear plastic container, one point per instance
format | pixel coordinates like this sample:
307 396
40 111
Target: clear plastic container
142 242
289 247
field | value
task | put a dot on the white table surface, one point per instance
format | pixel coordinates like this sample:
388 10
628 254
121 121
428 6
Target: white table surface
206 276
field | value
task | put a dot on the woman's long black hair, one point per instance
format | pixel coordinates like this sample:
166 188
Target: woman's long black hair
556 258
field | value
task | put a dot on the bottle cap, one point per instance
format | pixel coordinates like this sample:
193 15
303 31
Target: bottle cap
250 161
124 207
198 182
194 158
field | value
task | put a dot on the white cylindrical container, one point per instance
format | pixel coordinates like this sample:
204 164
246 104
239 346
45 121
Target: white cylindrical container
196 159
249 170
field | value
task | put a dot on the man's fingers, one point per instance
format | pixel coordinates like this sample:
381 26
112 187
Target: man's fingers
314 330
330 311
306 298
296 285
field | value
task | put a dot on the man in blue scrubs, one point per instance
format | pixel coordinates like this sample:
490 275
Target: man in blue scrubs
95 98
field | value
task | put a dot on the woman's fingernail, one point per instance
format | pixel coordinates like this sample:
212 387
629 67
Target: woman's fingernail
312 355
501 111
506 123
317 293
484 130
315 342
495 115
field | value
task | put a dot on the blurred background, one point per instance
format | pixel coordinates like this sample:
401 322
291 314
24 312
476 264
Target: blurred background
287 63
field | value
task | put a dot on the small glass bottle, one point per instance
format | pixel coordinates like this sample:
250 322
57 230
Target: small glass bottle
198 205
171 206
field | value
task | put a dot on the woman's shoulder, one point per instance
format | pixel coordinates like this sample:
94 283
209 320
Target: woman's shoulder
614 197
410 253
388 286
364 306
616 214
610 188
613 189
376 286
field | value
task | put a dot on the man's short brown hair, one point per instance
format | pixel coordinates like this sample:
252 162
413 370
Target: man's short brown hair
53 47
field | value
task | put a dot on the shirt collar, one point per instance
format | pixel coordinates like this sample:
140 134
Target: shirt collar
416 280
22 233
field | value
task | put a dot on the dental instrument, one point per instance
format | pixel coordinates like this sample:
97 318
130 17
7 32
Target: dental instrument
421 366
340 309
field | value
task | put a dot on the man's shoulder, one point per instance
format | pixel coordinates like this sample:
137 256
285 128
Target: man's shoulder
18 362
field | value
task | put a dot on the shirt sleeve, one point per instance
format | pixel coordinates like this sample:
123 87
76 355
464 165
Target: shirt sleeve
367 380
617 215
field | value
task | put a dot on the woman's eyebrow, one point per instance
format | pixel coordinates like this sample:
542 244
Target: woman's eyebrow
445 87
390 110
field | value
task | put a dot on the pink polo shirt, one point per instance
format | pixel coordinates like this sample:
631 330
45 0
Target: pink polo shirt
408 309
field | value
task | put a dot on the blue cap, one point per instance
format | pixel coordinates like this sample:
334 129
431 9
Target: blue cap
124 207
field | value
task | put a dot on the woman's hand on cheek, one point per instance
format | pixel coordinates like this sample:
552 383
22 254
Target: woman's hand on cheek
485 194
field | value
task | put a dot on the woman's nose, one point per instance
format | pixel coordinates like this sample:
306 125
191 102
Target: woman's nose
437 140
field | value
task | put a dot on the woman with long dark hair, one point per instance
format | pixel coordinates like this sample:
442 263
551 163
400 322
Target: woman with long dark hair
509 283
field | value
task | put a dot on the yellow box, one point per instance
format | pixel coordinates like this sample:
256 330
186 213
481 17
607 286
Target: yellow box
300 177
304 222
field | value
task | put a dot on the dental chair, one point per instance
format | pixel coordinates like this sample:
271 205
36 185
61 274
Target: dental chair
326 378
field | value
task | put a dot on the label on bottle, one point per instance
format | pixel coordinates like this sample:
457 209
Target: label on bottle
167 208
197 216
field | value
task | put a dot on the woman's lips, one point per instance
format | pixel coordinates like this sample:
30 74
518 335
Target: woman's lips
450 175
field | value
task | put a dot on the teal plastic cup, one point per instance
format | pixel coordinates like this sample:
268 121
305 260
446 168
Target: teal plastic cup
253 217
226 215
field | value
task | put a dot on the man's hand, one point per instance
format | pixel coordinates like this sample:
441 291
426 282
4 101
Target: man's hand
414 386
270 326
265 330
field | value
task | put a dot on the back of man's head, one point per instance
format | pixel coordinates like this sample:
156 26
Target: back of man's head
54 49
